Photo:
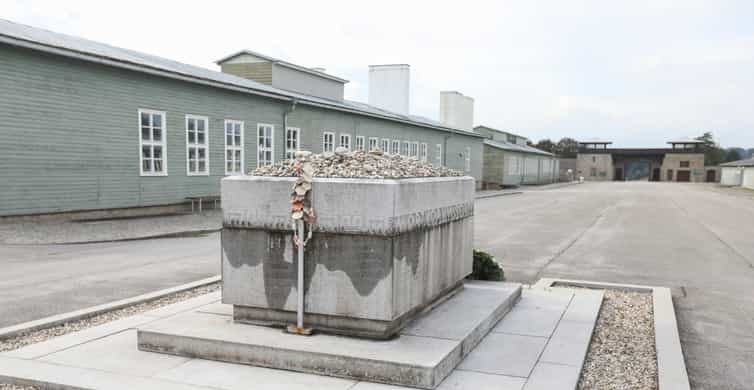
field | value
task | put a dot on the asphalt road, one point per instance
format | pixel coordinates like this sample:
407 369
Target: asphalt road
696 239
39 281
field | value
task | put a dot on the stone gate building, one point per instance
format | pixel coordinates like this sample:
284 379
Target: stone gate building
683 161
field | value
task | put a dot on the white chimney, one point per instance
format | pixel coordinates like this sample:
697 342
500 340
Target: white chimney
456 110
389 87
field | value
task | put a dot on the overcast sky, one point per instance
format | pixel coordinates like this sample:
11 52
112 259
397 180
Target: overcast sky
637 72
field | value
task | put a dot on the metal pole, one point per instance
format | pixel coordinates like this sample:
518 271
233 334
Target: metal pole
300 308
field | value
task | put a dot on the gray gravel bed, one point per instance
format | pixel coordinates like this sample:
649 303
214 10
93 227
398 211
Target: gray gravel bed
37 336
17 387
622 352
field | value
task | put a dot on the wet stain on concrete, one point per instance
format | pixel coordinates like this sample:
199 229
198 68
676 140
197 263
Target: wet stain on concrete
365 260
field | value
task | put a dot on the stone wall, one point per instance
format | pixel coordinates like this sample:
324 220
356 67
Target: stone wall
672 161
595 167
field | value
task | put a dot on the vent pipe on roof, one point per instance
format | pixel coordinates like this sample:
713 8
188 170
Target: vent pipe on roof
389 87
457 110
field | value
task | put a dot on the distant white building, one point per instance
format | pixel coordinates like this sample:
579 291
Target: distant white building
738 173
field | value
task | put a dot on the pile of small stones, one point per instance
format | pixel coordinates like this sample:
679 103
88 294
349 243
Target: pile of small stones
359 164
40 335
622 352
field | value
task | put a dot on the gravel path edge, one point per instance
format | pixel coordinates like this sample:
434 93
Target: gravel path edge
671 364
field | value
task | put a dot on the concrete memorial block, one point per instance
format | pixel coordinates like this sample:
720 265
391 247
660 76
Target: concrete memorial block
382 250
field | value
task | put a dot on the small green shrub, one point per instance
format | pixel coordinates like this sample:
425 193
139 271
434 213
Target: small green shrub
486 268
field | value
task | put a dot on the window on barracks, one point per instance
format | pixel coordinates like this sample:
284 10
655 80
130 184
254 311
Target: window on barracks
265 146
328 142
152 143
196 145
292 142
233 147
345 141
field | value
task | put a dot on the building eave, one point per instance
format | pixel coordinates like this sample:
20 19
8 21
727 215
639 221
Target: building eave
142 68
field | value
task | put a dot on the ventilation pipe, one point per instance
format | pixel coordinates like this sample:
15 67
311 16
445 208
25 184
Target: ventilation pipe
389 87
457 110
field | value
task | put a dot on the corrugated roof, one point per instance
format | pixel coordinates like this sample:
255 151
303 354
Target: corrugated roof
283 63
60 44
749 162
515 147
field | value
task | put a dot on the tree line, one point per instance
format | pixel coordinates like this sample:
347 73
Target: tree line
713 153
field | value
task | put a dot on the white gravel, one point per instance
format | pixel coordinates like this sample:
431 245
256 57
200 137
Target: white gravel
37 336
360 164
622 352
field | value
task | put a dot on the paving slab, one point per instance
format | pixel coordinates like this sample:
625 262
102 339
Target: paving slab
422 357
101 355
468 380
569 344
54 376
241 377
505 354
547 376
555 298
220 309
69 340
585 306
460 380
531 319
467 317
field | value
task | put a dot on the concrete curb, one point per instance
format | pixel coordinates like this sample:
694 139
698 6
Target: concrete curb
58 319
483 196
181 234
671 366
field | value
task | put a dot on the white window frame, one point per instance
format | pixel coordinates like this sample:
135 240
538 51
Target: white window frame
404 148
374 143
325 143
233 148
385 145
423 151
341 138
395 146
438 154
196 145
262 149
151 144
290 152
359 145
413 150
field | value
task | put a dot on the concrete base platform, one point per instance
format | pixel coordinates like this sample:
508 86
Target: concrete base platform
424 353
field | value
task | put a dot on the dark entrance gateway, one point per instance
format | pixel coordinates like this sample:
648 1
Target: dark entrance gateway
618 174
683 176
